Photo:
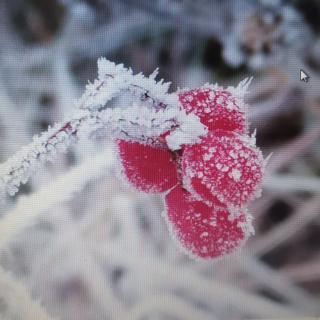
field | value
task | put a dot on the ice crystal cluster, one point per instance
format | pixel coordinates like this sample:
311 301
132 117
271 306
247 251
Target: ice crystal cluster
191 146
145 109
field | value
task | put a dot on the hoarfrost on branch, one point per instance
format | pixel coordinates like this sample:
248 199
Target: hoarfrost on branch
144 110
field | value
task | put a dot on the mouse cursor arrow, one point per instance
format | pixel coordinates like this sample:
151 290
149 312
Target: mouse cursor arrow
304 76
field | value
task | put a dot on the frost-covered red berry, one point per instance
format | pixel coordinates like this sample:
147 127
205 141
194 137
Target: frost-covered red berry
223 165
147 168
216 108
204 231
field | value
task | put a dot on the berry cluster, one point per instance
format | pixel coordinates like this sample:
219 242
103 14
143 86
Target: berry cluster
206 185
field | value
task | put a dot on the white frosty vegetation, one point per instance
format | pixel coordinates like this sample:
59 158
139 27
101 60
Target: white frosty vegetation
15 301
143 109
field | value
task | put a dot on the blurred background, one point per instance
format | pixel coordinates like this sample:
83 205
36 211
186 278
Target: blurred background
104 251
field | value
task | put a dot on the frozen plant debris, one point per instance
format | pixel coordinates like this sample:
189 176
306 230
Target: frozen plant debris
192 146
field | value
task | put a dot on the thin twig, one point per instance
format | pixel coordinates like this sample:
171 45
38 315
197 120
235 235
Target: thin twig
62 189
282 233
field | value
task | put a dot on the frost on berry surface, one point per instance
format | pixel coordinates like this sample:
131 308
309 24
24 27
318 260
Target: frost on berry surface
148 168
217 108
204 231
223 165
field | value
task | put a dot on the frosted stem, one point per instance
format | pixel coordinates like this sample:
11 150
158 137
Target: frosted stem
146 112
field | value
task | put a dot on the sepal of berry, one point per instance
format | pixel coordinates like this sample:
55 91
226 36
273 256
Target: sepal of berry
217 108
148 168
223 166
202 231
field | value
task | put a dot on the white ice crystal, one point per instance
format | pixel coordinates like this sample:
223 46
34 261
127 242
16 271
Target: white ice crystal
187 133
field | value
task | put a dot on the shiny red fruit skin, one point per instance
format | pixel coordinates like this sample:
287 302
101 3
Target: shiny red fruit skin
149 169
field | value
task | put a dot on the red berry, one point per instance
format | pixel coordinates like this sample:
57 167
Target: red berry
148 168
216 108
223 165
204 231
